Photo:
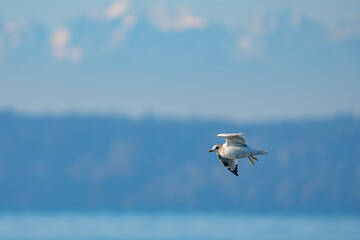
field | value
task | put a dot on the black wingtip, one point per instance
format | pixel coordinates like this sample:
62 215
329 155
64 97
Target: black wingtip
228 167
235 171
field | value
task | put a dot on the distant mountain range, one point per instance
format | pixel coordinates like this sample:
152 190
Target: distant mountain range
92 162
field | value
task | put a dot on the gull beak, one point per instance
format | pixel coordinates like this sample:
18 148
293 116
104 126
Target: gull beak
210 150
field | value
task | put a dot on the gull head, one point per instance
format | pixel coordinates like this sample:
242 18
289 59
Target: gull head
216 148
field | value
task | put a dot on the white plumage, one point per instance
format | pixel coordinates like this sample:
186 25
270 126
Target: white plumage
234 148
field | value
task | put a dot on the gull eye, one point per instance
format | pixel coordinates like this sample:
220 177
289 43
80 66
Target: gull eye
217 148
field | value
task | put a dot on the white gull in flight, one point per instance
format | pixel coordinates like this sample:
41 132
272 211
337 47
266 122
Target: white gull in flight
234 148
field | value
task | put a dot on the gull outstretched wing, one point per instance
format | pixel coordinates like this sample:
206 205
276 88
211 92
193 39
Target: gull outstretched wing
233 139
230 164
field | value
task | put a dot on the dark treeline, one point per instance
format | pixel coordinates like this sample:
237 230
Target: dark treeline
101 162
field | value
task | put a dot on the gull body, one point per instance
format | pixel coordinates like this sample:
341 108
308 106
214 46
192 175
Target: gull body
233 149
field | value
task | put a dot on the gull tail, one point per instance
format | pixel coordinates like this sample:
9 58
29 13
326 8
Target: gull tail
260 152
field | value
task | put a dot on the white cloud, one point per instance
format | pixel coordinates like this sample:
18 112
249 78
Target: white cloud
61 48
256 26
348 29
14 27
250 42
119 33
115 11
13 31
249 47
59 41
123 17
180 18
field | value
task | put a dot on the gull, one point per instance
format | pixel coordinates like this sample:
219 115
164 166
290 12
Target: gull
235 147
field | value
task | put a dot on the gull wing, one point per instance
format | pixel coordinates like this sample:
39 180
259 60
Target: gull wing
233 139
231 164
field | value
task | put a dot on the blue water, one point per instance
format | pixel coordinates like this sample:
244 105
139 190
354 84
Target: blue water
64 226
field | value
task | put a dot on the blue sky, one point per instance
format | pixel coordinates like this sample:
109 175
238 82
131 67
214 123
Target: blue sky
235 60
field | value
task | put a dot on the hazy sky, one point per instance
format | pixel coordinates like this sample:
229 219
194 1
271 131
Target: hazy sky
237 60
230 12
